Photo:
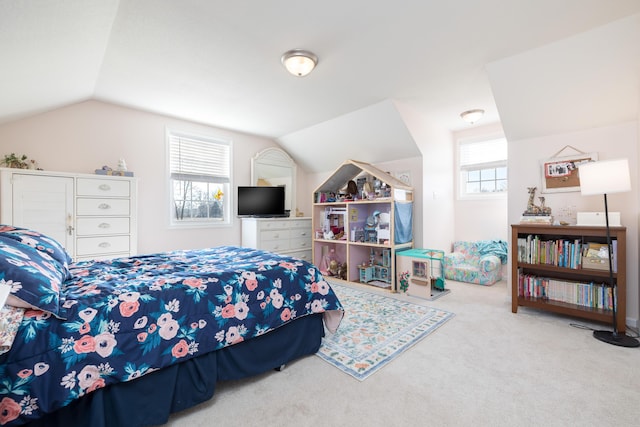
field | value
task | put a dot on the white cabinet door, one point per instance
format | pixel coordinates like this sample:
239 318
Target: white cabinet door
44 203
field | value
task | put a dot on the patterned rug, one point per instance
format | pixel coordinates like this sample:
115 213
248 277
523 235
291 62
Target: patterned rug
375 330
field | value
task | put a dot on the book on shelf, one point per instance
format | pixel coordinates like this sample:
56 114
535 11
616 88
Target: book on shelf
536 219
559 252
584 294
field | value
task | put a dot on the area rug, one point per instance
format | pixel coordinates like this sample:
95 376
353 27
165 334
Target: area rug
375 330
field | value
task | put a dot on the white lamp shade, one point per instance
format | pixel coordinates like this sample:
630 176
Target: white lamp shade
604 177
299 62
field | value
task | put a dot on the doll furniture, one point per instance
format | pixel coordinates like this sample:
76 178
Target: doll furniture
477 262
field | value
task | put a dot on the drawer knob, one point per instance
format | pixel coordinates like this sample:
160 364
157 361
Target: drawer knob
104 206
104 245
104 187
104 225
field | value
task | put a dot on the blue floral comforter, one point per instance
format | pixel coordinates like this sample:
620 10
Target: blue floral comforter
128 317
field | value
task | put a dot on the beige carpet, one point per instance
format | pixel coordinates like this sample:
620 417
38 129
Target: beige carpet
487 367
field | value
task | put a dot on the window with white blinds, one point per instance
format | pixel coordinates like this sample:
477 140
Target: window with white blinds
200 175
482 167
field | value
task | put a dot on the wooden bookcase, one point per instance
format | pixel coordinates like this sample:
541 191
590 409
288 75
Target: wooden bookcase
523 265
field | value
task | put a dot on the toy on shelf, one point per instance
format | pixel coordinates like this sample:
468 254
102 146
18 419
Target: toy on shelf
378 269
333 223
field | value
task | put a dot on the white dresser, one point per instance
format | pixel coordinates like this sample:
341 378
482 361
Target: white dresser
290 236
93 216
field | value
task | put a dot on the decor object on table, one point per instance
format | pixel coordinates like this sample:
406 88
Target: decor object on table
539 214
477 262
375 330
106 170
608 177
18 162
122 166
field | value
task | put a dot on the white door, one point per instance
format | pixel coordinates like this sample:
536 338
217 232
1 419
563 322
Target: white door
44 204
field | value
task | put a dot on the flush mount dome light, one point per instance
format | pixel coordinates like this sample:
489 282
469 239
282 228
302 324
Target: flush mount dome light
472 116
299 62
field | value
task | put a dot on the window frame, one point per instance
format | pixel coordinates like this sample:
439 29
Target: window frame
462 171
228 198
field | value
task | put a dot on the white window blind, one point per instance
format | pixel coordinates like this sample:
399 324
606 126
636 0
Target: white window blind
204 160
199 169
490 153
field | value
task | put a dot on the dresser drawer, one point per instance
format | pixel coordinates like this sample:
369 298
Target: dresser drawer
300 243
102 187
102 206
99 226
273 225
300 233
101 245
275 245
304 255
300 223
274 235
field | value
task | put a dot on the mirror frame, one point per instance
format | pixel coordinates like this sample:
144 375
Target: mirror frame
276 157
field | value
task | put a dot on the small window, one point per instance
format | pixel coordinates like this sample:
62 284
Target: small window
482 167
200 180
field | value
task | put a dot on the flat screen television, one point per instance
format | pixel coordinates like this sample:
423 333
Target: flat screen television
261 202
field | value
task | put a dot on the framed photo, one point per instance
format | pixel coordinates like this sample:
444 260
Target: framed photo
404 176
560 174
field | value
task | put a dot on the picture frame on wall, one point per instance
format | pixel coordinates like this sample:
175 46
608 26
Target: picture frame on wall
404 176
560 174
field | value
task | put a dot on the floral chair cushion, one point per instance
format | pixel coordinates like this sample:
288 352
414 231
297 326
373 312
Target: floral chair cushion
477 262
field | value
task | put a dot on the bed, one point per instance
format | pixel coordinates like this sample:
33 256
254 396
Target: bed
126 342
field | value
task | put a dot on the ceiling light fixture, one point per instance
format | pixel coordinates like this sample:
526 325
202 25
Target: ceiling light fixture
299 62
472 116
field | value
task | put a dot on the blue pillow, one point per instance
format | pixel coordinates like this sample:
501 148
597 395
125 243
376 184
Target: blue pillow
34 276
37 240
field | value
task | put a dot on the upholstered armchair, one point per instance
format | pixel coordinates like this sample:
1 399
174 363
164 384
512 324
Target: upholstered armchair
476 262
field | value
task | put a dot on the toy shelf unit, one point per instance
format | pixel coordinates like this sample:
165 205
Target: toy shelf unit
420 272
553 270
361 217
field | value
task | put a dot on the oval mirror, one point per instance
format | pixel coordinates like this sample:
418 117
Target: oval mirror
273 167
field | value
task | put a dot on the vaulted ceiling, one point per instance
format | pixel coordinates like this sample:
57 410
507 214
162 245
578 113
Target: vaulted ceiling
218 63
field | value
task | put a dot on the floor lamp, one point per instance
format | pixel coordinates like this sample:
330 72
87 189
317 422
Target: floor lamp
608 177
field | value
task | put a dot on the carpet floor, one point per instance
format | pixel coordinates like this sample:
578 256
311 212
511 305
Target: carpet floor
486 367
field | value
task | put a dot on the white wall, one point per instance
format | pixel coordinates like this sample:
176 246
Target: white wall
611 142
85 136
435 144
486 218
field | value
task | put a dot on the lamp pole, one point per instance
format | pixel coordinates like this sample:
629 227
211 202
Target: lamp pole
615 338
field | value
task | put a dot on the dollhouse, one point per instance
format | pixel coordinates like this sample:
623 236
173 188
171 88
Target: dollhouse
361 217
